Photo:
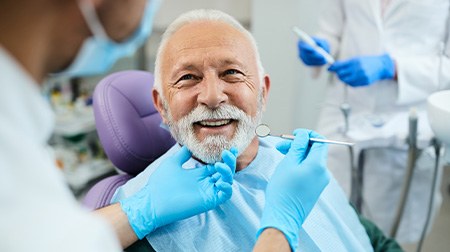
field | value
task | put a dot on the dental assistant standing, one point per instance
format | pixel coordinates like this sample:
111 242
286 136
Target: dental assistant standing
391 54
37 210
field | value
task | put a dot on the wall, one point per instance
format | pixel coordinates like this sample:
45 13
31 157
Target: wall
171 9
295 97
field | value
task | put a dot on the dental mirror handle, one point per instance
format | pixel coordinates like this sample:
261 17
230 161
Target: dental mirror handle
318 140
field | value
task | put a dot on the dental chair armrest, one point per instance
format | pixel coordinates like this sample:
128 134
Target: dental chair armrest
100 194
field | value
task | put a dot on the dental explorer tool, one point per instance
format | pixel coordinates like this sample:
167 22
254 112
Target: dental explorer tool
263 130
308 40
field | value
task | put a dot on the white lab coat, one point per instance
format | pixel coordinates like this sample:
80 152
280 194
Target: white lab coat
37 210
413 32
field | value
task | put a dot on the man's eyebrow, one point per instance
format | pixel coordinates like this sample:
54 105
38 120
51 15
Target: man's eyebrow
191 66
229 61
181 67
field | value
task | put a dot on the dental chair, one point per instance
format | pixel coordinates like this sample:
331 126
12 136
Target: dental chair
129 129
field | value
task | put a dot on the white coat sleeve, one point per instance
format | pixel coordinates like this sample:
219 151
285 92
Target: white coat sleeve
419 75
38 212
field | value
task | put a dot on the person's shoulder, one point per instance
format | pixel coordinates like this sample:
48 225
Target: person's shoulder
268 145
267 152
135 184
269 141
152 167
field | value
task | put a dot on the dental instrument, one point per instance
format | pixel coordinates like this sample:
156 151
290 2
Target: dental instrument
437 151
307 39
263 130
345 106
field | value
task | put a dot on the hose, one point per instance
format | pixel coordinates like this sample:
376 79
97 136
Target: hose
437 148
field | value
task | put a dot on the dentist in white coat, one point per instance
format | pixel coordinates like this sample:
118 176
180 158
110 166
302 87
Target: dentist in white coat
391 55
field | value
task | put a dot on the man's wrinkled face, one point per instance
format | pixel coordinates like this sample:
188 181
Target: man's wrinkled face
212 92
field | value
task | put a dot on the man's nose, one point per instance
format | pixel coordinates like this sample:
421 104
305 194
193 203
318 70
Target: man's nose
212 93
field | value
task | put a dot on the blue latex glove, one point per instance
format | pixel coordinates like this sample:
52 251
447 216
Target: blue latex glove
364 70
173 193
296 185
309 56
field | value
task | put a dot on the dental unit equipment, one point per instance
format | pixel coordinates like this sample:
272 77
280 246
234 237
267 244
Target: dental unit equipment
438 110
412 157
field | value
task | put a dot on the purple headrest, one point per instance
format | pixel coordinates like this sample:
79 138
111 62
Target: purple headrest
127 123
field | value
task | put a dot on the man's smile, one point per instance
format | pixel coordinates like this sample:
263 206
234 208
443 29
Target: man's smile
214 122
225 127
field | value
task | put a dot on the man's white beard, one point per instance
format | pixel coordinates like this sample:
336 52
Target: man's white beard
209 150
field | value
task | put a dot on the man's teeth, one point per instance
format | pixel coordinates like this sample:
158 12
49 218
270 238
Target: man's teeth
214 123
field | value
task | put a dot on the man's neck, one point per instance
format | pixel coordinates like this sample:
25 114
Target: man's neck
248 155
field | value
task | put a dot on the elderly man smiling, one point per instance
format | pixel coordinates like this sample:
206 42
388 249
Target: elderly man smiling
211 89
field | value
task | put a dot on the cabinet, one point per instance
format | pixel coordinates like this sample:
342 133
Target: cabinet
75 143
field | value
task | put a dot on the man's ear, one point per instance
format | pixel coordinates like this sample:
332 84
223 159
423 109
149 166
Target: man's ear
158 102
265 90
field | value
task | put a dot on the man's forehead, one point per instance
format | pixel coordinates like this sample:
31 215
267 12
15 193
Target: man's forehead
208 35
194 63
207 42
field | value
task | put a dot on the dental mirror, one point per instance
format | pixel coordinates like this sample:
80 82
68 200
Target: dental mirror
263 130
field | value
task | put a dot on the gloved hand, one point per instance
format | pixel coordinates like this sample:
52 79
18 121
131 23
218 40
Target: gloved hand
309 56
364 70
173 193
296 185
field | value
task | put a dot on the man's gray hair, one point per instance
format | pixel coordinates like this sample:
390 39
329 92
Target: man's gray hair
198 16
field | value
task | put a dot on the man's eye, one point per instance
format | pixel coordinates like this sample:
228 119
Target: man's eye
186 77
187 80
231 71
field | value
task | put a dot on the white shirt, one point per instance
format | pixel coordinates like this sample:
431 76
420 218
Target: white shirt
37 210
384 5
